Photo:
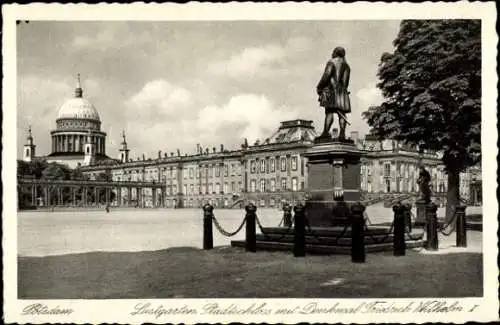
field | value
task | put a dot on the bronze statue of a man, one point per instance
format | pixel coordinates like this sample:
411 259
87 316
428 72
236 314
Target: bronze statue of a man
333 91
424 178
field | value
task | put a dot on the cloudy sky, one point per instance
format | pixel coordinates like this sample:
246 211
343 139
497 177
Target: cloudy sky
172 85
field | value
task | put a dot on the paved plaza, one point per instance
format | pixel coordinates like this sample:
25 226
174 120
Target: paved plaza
75 231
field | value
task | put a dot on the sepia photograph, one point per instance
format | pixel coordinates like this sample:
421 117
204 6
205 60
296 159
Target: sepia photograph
212 169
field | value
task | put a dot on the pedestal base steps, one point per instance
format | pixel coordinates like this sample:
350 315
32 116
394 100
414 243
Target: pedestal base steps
331 240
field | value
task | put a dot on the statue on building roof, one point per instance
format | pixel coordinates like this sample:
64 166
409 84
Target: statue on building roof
333 93
178 152
244 145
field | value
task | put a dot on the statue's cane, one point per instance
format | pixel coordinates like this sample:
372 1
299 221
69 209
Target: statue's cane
343 117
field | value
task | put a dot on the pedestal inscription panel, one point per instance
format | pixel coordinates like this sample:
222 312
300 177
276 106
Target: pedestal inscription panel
334 182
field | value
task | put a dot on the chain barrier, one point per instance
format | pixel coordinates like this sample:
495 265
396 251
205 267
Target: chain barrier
408 232
367 219
452 222
287 232
386 236
329 241
224 232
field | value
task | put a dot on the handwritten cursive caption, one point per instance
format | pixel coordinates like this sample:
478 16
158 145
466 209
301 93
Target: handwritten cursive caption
374 307
42 309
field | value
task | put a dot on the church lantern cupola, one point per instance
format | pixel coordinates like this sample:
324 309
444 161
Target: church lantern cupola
124 151
29 147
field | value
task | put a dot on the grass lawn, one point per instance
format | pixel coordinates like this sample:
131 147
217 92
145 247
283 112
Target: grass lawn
226 272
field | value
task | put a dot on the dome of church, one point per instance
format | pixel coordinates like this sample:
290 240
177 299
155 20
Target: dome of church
78 108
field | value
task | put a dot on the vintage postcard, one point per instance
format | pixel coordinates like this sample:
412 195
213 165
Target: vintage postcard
250 162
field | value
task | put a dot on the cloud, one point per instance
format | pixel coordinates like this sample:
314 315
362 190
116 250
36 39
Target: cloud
154 115
249 62
243 116
114 36
157 99
369 95
103 38
256 60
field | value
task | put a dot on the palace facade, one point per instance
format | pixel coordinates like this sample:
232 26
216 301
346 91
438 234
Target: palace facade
267 172
275 170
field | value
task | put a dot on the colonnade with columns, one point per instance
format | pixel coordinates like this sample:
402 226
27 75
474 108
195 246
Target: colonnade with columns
80 195
74 142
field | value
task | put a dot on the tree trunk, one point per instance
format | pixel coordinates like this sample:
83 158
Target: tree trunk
452 195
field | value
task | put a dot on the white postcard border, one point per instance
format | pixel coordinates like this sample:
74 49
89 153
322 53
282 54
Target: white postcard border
119 311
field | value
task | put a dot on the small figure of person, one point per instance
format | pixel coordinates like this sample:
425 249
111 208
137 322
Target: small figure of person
287 215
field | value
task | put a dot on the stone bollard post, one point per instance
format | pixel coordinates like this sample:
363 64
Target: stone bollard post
287 216
461 226
208 237
357 233
432 227
299 238
399 229
250 236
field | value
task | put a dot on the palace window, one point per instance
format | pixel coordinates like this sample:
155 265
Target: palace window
226 170
387 170
294 184
191 172
273 185
174 189
272 165
191 189
294 163
262 185
226 187
217 170
217 188
262 166
233 187
233 166
203 189
283 164
252 166
283 184
252 185
210 171
210 188
185 189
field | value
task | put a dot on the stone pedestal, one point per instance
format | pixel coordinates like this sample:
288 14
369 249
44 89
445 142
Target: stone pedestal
333 181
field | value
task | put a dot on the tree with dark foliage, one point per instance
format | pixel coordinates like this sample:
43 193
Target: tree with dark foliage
431 86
